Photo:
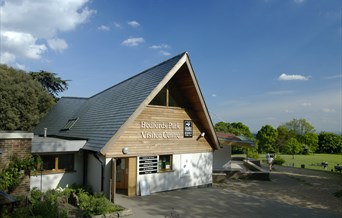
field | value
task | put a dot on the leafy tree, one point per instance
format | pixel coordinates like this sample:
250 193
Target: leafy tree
267 137
310 142
51 83
236 128
284 135
302 131
23 100
329 143
221 127
293 147
239 128
299 126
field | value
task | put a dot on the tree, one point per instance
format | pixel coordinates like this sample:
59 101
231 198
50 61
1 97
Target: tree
267 137
299 126
283 136
221 127
292 147
23 100
239 128
51 83
310 142
236 128
329 143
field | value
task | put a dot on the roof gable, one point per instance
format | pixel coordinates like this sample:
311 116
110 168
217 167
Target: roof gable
102 115
184 75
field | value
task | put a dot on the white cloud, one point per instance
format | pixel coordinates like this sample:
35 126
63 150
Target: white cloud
214 95
161 46
57 44
328 110
104 28
337 76
133 41
298 1
7 58
280 92
21 44
117 25
20 66
286 77
133 24
27 26
164 53
306 104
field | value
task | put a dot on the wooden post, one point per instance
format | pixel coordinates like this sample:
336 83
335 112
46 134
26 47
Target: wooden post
113 185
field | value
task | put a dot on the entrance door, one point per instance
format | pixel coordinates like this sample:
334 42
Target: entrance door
122 174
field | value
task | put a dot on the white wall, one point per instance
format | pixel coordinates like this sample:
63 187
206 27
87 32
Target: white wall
188 170
221 157
52 181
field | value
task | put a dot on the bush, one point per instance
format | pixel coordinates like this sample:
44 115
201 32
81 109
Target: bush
96 204
278 160
55 202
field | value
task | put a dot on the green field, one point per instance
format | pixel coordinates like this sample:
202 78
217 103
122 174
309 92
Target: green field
311 161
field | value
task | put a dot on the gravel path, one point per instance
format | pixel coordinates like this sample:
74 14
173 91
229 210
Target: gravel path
294 186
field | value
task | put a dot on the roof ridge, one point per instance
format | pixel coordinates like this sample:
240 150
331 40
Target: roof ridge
181 54
72 97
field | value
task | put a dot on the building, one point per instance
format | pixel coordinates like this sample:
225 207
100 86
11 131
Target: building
149 133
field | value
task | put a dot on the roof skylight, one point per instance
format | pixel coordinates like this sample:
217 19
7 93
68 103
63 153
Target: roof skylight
69 124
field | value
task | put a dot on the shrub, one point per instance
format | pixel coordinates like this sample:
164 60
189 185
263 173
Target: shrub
96 204
278 160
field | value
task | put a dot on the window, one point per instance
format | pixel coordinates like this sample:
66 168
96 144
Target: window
57 163
165 163
69 124
169 96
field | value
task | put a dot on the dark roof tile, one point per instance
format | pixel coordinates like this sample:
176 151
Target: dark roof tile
101 115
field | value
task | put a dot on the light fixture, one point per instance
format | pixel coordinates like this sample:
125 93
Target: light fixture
200 136
125 150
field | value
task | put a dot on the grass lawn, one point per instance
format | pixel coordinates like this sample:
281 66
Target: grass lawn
311 161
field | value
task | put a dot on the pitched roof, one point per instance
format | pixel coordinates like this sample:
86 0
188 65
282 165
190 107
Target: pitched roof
99 118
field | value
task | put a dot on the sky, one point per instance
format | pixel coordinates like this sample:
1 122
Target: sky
257 62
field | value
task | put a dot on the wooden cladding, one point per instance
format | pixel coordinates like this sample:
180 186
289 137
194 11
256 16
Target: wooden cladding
160 130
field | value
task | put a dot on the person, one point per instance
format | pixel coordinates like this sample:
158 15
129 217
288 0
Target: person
270 162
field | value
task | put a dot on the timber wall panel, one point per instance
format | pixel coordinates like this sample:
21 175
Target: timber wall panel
133 138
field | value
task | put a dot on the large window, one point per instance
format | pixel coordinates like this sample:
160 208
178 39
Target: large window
165 163
169 96
57 163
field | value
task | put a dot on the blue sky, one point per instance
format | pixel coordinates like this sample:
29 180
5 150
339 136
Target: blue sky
257 61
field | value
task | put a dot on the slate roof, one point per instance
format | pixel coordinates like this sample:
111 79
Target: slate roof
100 116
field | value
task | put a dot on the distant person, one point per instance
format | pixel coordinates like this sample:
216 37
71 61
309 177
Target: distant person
270 162
267 157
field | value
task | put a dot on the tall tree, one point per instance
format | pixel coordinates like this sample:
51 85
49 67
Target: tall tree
293 147
284 135
266 138
310 142
23 101
51 82
329 142
300 126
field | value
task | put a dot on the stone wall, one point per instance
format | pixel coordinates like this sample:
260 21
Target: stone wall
18 144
